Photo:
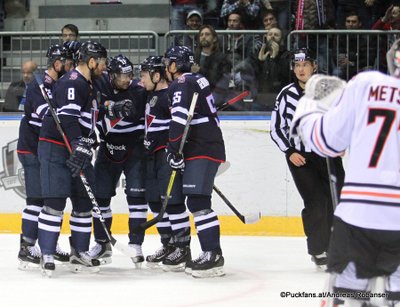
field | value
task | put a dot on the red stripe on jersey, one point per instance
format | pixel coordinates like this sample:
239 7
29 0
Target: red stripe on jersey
52 141
205 157
24 152
371 194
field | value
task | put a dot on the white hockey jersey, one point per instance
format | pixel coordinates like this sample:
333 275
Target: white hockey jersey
365 119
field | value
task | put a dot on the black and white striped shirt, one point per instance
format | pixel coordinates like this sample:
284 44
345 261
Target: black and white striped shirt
281 119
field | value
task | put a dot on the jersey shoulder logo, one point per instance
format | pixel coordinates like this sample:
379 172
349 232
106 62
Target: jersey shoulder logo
153 101
73 75
181 79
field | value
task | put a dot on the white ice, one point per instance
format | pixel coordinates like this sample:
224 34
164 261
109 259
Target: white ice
258 270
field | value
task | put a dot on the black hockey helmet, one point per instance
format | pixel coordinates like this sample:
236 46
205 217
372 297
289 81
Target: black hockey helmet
302 54
119 65
182 56
91 49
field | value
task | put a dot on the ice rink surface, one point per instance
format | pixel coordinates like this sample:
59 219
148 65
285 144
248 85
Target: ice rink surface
258 270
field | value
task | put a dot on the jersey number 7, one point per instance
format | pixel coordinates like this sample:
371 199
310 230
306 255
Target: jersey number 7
388 118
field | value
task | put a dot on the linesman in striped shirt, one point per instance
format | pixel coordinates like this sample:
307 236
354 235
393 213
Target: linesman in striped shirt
309 171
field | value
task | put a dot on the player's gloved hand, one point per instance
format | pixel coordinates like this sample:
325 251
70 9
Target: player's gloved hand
176 161
80 158
119 109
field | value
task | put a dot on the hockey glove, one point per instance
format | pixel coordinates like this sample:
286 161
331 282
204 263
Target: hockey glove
176 161
120 109
80 158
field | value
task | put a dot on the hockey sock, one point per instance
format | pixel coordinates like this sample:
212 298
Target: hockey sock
163 226
49 227
180 224
205 220
30 217
137 215
81 228
99 233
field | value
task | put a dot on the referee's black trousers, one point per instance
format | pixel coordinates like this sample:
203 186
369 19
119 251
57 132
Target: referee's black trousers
312 182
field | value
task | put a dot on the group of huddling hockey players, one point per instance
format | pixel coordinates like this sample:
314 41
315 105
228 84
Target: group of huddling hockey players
86 100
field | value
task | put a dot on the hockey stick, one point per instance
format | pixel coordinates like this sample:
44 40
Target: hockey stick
332 182
233 100
96 209
246 219
160 214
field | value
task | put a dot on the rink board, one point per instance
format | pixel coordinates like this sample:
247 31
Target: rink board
257 181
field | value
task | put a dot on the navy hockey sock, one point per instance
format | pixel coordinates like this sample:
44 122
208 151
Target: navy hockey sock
49 229
81 228
99 233
180 225
30 216
208 230
137 215
164 226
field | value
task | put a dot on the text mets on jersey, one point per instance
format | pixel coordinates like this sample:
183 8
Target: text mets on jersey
384 93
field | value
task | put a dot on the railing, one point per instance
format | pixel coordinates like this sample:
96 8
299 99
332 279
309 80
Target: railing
363 49
17 47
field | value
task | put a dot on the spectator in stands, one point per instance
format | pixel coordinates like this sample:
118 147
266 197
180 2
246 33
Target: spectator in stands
274 63
243 50
194 20
16 92
391 21
248 9
356 52
212 63
69 32
70 36
269 20
363 7
179 9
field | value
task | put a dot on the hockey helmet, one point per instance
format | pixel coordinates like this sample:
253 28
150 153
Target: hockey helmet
393 59
182 56
71 48
153 64
56 52
119 65
301 55
91 49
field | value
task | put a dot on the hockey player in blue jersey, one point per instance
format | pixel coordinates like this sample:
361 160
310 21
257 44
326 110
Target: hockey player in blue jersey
75 102
174 227
203 152
121 150
34 111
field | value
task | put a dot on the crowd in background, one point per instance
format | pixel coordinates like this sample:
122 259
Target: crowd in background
260 63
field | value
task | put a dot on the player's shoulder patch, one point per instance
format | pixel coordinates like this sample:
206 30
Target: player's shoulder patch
181 79
74 75
202 82
48 79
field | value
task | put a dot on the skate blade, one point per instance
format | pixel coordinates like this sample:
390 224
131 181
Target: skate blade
188 271
138 265
321 268
79 268
174 268
104 261
28 266
214 272
47 273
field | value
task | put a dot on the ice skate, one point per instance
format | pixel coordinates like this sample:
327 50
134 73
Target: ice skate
209 264
320 261
102 251
28 255
47 265
155 260
176 261
60 255
139 258
82 262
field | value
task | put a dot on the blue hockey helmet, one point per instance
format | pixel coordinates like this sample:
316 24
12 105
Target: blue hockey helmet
119 64
91 49
182 56
56 52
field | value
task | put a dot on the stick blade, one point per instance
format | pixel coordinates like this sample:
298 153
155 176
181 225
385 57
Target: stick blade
223 167
252 218
124 249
